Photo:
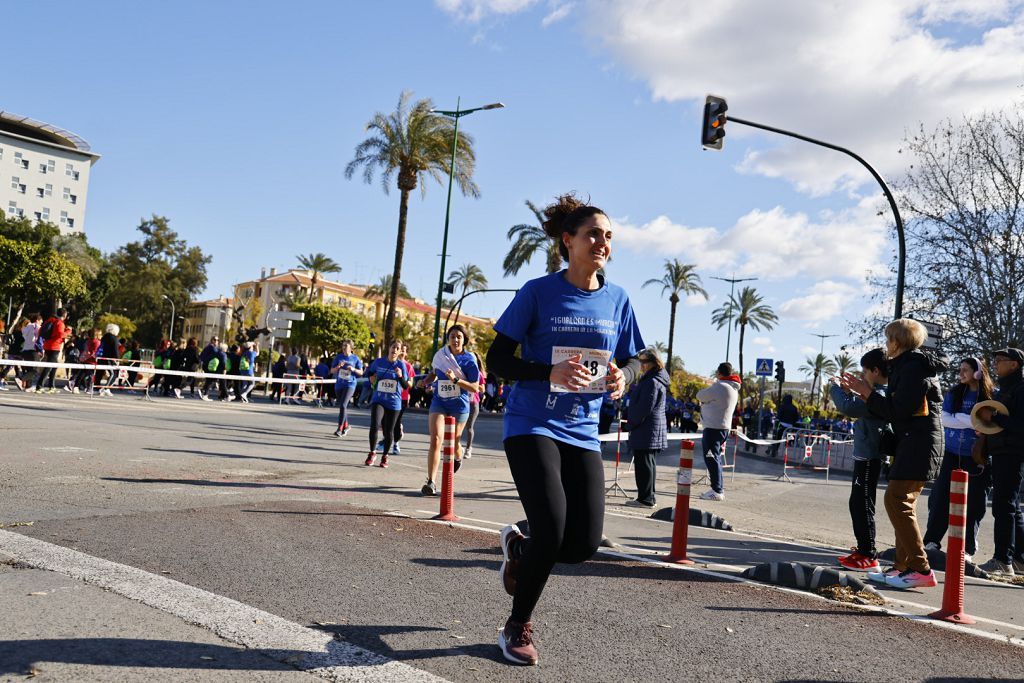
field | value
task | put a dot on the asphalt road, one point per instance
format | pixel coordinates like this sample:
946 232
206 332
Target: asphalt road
258 504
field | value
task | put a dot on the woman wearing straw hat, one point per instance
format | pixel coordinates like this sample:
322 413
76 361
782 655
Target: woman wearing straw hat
975 385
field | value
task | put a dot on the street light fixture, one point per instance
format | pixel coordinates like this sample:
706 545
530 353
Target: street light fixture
732 288
455 115
170 332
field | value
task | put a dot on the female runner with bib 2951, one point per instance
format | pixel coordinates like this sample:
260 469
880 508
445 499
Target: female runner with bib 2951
456 376
389 377
574 327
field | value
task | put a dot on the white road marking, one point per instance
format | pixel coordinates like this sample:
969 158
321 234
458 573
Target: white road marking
304 648
67 449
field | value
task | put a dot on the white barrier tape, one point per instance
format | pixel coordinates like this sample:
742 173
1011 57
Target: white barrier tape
160 371
696 436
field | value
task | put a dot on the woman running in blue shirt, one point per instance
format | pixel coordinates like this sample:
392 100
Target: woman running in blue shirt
347 367
575 330
389 377
455 375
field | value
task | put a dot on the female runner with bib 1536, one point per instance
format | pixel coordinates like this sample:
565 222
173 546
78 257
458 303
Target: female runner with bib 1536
456 376
389 377
579 338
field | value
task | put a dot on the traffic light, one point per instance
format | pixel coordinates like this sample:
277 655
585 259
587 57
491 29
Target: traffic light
713 127
780 372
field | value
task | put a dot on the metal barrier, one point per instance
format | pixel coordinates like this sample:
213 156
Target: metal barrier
816 450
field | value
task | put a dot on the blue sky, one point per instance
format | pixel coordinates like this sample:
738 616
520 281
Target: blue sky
236 119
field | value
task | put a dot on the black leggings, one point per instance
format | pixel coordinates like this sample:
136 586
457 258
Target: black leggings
862 504
399 431
561 488
344 393
386 418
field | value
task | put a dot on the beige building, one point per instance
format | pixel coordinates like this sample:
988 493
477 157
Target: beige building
275 288
204 319
44 172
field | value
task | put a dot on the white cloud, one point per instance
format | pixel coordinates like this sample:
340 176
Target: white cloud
809 351
856 74
475 10
697 301
761 341
823 301
770 244
560 12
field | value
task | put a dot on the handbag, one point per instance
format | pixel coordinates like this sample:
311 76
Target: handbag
979 450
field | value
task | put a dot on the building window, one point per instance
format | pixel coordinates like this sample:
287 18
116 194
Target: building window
67 193
17 185
63 217
46 213
1 153
20 160
69 171
71 222
13 210
49 190
73 198
51 166
259 290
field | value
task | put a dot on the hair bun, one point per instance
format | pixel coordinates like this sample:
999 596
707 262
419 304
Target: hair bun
555 214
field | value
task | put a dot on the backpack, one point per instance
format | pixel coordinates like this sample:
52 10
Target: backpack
213 364
243 363
46 331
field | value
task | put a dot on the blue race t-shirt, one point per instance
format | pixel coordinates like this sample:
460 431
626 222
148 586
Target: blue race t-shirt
449 398
387 390
345 376
554 320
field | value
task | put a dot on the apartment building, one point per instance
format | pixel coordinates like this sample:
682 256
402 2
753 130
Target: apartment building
206 319
44 172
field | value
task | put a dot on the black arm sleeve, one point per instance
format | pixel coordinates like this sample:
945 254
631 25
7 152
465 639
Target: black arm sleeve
631 369
502 360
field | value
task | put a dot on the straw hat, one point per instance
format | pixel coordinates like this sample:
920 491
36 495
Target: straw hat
987 427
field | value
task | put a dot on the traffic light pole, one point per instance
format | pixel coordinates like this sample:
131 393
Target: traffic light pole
901 268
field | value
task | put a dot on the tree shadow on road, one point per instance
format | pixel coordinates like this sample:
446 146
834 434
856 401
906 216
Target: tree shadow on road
242 456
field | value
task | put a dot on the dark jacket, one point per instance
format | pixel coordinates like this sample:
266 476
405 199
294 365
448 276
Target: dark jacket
1010 441
109 344
867 430
788 413
646 421
913 406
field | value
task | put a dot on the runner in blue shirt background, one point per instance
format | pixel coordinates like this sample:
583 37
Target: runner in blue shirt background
347 367
389 378
455 375
573 328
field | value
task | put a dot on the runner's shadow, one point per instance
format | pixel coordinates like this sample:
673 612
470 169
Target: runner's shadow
373 638
215 454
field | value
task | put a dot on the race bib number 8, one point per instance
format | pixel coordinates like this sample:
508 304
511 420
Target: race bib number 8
388 386
594 360
448 390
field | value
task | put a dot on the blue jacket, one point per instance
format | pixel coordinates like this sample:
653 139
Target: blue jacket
959 432
867 430
646 423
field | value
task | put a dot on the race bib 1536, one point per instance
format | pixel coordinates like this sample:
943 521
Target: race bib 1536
388 386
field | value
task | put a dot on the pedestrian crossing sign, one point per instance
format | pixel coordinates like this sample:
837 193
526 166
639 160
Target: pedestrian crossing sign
764 367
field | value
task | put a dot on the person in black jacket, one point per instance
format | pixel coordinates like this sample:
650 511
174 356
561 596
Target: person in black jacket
788 418
646 424
1007 451
913 406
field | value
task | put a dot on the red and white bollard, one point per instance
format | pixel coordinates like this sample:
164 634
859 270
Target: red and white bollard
448 472
953 589
681 523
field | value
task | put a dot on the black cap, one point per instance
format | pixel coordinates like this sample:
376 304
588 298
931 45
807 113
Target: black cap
1011 353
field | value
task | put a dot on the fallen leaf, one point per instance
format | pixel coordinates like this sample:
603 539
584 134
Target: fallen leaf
325 623
33 672
665 625
399 528
39 593
458 621
729 630
14 524
165 571
458 637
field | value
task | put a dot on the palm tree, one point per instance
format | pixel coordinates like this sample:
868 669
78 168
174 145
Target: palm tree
469 277
817 366
409 145
317 264
659 348
844 363
745 308
384 289
528 240
678 277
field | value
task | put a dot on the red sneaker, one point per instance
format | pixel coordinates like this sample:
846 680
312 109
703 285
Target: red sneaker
509 566
516 643
370 458
384 460
859 562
